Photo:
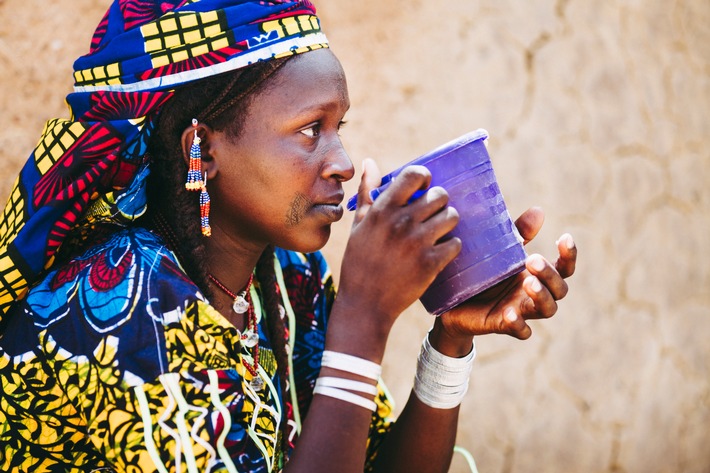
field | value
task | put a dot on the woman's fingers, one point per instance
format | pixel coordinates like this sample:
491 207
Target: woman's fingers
371 178
547 275
567 262
445 252
512 323
539 303
428 216
529 223
409 181
531 294
546 283
441 223
431 203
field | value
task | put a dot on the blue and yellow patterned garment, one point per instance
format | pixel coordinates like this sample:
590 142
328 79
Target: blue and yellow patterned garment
115 362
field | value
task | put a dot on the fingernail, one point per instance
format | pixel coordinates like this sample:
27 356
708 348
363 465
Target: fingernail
569 241
510 315
535 284
537 263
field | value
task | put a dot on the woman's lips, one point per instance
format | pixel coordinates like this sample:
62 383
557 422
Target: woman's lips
333 212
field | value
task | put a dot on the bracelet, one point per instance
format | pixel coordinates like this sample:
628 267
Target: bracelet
345 396
441 381
349 384
351 364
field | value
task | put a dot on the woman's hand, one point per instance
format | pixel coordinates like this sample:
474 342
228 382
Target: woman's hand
394 252
506 307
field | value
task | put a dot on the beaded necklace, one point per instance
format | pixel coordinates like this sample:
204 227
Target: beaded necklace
249 338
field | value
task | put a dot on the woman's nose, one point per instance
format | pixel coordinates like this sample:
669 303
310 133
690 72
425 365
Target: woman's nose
338 164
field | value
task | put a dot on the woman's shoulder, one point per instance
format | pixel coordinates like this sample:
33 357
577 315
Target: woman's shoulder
128 275
132 261
120 298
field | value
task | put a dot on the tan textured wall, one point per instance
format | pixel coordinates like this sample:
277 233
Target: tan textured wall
598 112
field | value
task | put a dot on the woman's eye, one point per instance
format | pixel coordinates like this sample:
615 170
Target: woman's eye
311 131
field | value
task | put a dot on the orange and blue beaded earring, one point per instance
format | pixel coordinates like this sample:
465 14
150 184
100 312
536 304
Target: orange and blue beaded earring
205 209
196 183
194 172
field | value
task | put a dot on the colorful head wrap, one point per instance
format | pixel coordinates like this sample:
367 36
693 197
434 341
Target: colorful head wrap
91 168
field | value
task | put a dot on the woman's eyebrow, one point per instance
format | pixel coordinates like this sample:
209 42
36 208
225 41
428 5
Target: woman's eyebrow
316 107
324 106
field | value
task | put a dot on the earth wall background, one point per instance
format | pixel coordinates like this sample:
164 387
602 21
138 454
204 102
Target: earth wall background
599 113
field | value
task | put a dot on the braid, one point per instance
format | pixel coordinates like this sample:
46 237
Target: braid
174 210
275 325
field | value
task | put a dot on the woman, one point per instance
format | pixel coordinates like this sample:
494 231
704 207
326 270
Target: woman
164 304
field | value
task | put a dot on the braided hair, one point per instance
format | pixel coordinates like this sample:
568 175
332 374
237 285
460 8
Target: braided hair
220 101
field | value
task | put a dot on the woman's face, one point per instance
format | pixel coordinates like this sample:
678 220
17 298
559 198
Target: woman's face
280 181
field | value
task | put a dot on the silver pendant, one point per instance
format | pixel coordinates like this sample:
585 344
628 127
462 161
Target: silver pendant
256 383
250 339
240 304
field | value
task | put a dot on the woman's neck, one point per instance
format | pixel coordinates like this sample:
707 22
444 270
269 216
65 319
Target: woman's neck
230 260
232 263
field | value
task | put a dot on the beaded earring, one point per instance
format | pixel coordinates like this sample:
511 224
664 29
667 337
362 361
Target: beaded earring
205 209
196 183
194 172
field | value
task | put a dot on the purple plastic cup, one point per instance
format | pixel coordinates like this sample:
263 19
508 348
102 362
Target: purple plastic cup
492 248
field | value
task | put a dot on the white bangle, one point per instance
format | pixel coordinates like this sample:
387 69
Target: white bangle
351 364
346 396
441 381
450 363
349 384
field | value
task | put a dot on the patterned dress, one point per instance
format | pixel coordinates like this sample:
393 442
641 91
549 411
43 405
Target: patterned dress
116 362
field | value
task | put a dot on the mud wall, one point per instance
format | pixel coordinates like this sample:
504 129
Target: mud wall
598 112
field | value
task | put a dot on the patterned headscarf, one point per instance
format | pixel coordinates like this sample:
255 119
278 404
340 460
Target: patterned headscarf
92 168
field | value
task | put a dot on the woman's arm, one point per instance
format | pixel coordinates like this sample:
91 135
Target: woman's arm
423 437
393 254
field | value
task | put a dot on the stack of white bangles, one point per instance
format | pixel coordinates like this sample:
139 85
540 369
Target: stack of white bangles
441 381
340 388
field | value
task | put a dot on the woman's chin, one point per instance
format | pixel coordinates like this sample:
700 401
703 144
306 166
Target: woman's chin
316 241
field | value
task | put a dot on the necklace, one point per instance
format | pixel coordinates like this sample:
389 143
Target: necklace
249 338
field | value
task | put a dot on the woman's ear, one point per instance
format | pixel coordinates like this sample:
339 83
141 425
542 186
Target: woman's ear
199 134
